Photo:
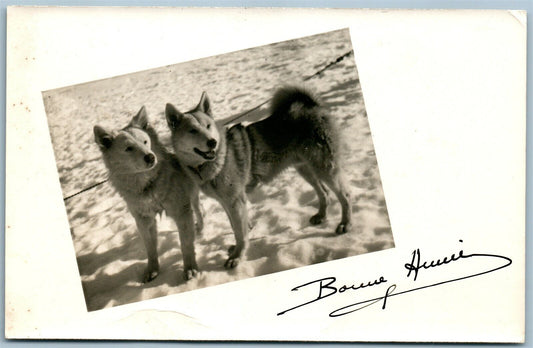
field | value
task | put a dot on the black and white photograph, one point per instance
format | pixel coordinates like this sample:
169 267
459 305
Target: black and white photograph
218 169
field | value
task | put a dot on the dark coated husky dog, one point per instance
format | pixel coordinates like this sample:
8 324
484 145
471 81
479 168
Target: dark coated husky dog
150 179
227 163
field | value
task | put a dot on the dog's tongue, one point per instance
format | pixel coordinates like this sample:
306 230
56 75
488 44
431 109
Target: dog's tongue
206 155
210 154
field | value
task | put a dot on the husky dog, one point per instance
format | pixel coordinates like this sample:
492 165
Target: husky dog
227 163
151 180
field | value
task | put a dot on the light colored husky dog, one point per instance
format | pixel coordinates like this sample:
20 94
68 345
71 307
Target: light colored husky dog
151 181
227 163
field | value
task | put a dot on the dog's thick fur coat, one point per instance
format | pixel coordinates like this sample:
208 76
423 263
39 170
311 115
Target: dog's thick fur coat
151 180
227 163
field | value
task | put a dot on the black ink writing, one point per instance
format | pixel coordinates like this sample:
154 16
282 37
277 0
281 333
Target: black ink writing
326 289
416 266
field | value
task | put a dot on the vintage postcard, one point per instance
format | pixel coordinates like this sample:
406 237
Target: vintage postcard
303 175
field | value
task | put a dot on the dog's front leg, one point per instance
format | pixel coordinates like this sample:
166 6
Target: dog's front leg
186 229
238 216
148 231
198 213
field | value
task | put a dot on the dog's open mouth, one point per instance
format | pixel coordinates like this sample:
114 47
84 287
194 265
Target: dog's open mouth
210 155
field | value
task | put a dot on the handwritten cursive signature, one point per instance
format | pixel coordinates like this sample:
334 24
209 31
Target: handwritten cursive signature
327 286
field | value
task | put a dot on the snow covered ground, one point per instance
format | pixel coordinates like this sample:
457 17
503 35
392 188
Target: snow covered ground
110 253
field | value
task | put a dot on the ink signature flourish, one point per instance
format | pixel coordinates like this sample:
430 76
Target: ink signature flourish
327 286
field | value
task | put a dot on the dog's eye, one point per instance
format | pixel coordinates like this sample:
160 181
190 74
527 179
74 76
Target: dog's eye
129 149
209 126
145 142
193 131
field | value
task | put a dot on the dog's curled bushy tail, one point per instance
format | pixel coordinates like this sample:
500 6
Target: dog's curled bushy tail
297 115
290 101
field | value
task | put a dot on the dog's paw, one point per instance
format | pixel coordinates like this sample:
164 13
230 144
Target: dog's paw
188 274
234 257
150 275
343 228
231 263
317 219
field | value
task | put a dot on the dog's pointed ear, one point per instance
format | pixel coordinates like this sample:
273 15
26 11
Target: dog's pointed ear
204 105
173 116
103 138
141 119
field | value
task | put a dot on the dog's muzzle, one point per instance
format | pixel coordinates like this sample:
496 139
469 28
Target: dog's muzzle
212 143
149 159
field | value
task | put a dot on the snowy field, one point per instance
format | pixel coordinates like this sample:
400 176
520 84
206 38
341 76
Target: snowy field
110 254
